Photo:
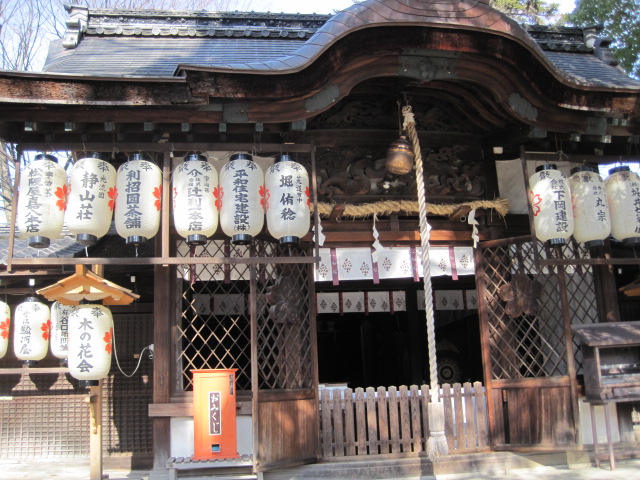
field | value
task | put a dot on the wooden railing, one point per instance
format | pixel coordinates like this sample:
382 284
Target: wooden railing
394 420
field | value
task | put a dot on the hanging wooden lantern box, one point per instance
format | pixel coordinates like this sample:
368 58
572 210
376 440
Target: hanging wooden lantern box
611 360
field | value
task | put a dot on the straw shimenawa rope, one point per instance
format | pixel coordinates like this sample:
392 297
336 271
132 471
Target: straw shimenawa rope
437 442
388 207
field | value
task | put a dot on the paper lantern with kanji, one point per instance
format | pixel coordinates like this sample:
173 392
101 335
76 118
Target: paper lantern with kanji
32 326
90 343
5 324
139 200
288 214
551 204
42 201
59 342
92 185
195 184
590 206
241 196
623 192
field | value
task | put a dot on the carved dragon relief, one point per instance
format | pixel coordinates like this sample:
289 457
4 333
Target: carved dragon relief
371 114
356 172
451 169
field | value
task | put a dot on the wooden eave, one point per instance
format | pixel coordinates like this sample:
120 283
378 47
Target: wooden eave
608 334
463 55
86 285
478 62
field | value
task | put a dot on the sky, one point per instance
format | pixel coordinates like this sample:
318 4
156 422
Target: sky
328 6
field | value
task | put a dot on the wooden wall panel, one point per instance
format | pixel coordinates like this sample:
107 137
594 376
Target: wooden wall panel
287 430
533 416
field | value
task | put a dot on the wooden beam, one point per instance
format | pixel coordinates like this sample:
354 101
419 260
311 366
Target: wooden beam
33 370
394 237
172 147
185 409
26 262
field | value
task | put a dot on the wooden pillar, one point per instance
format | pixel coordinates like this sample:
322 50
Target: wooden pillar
95 427
163 310
568 342
95 432
605 286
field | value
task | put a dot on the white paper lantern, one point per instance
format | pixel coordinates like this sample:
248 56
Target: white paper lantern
551 204
42 201
59 342
5 324
139 200
242 199
623 192
590 206
92 185
31 330
195 214
288 214
90 343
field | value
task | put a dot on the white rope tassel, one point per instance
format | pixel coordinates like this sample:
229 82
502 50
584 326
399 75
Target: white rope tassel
437 442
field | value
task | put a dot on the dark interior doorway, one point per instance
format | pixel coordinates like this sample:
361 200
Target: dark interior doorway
383 349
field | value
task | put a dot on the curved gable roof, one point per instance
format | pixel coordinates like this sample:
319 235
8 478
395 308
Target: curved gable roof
467 14
578 66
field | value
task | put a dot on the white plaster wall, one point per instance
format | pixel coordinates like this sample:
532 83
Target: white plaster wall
182 436
601 429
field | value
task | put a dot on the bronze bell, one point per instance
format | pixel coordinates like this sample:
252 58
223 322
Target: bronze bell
400 157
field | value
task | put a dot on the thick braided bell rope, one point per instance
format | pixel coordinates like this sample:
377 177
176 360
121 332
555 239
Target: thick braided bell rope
410 127
388 207
436 442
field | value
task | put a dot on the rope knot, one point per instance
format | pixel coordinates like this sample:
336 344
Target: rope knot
409 118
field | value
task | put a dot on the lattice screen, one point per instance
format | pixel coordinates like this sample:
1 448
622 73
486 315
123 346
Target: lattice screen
45 415
533 345
214 330
284 327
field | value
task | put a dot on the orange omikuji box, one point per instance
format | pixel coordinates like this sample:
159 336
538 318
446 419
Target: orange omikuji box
214 414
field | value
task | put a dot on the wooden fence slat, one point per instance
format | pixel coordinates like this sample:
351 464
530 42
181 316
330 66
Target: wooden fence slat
416 433
361 425
394 424
349 423
327 428
448 415
372 421
470 417
338 433
426 398
405 419
458 413
383 420
481 415
396 420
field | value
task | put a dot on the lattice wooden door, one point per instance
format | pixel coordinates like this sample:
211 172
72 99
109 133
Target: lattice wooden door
257 318
526 312
284 367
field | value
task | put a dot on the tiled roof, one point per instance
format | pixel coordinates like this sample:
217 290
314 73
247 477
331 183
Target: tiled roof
590 71
152 43
159 57
159 43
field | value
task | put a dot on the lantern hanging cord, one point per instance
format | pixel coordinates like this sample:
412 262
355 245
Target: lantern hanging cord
115 354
